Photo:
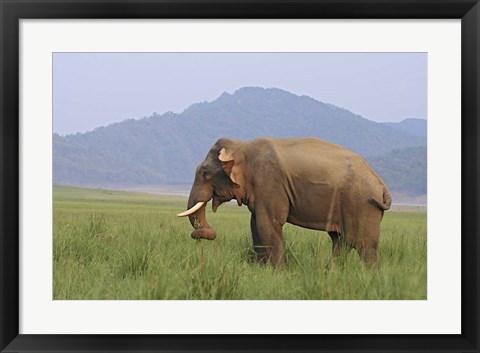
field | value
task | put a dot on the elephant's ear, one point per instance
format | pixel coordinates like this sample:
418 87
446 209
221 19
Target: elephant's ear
231 167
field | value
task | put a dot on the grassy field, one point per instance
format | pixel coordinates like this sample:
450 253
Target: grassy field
121 245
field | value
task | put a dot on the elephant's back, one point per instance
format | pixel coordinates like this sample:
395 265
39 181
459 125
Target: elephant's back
311 146
304 153
320 161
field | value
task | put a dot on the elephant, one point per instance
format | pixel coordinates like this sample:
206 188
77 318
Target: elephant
307 182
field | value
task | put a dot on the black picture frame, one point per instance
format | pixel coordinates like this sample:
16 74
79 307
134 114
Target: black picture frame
12 11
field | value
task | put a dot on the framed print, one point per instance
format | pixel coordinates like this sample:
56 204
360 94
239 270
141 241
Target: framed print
356 119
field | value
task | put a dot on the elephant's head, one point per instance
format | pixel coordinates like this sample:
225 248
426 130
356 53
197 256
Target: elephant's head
219 177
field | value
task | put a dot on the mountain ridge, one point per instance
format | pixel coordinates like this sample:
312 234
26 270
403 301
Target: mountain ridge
166 148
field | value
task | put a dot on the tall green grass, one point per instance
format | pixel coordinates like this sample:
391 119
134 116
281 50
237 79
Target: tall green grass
120 245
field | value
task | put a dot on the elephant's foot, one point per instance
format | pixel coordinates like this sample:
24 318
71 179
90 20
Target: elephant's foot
204 233
275 256
369 256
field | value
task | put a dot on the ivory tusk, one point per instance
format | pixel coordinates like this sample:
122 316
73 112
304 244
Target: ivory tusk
191 210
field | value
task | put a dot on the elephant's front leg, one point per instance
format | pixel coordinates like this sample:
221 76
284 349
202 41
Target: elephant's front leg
258 246
267 239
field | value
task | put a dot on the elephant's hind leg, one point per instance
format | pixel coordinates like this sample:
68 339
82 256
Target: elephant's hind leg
339 246
368 255
365 234
367 246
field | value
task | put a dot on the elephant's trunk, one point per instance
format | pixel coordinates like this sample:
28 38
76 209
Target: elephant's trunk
198 220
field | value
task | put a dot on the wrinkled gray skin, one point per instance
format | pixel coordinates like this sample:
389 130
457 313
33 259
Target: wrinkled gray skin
306 181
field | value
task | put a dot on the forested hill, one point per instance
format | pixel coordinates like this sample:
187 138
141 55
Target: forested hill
417 127
404 170
166 148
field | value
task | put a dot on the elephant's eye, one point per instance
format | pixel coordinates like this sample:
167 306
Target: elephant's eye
205 174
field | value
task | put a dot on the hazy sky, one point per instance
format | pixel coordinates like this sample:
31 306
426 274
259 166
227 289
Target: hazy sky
95 89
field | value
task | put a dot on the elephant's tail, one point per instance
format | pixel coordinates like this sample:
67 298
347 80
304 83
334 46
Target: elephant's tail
387 200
